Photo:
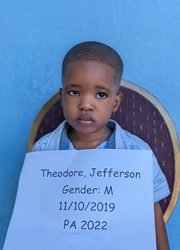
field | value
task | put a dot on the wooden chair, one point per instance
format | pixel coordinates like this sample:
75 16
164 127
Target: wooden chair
142 115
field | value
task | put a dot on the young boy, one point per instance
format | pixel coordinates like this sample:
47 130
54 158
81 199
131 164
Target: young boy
91 76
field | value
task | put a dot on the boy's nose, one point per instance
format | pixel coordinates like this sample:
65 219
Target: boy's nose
86 104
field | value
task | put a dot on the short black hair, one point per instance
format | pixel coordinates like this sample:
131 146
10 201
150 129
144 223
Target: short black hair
94 51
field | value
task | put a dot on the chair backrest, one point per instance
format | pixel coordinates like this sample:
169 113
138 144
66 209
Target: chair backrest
141 114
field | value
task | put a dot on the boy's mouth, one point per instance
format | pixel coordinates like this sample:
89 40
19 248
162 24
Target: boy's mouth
85 119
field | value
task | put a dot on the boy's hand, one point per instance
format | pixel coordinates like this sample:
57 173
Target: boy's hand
161 235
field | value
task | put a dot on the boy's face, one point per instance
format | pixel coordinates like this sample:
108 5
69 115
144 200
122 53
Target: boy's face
89 96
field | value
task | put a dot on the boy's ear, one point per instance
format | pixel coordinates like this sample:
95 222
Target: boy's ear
60 94
118 100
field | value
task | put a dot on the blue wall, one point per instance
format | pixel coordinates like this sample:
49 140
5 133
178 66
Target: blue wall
34 35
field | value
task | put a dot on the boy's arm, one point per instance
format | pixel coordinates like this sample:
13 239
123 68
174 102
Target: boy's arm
161 235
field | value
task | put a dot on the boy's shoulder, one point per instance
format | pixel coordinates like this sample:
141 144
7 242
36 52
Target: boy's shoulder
127 140
49 141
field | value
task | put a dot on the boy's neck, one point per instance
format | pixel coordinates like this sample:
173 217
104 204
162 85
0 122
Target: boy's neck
88 141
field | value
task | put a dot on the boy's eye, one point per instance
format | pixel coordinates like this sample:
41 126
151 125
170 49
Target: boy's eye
73 93
101 95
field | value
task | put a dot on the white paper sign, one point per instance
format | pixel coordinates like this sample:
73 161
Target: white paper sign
87 199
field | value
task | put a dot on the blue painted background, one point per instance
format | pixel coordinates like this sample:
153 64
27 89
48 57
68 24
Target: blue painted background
34 36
